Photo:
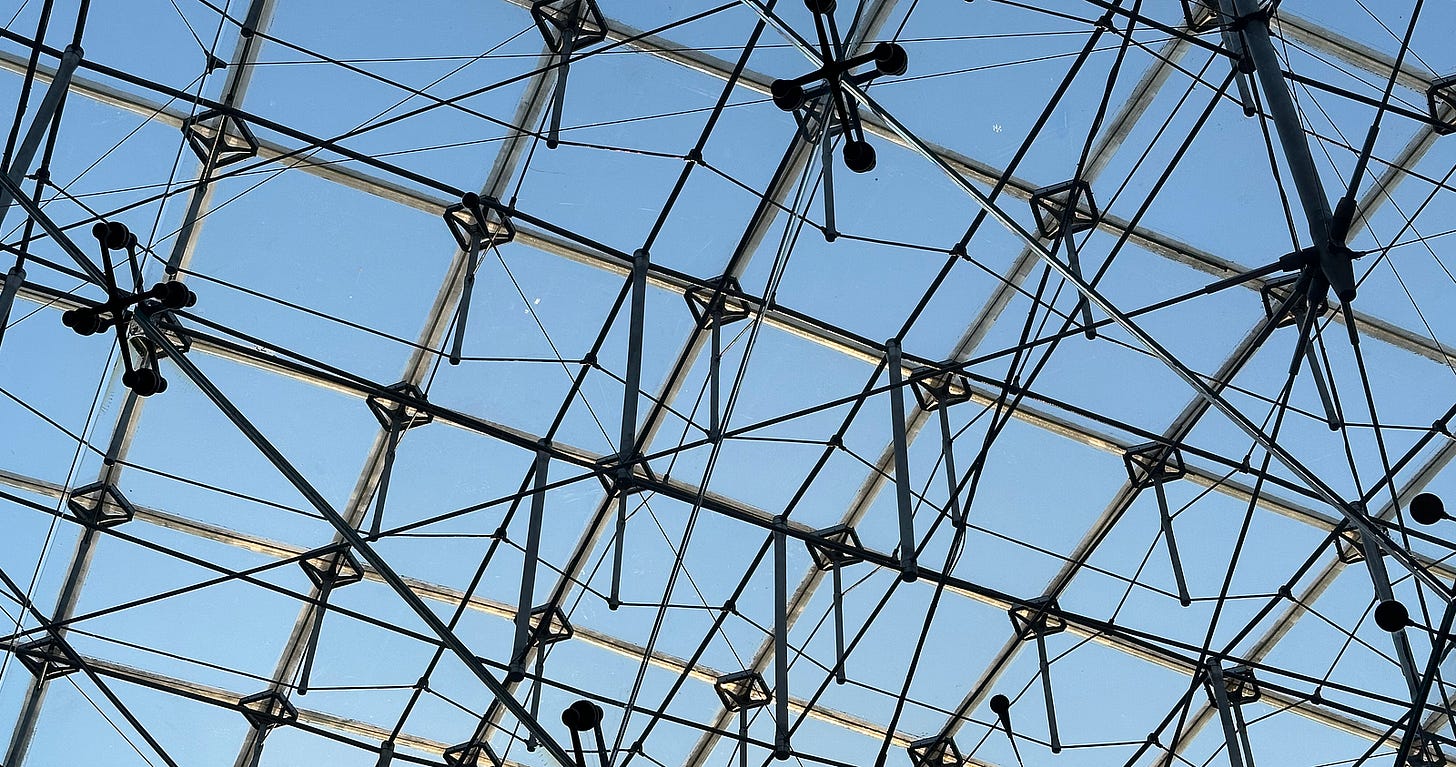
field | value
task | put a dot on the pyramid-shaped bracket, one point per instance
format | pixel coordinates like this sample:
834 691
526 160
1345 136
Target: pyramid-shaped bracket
607 473
100 504
1425 752
46 658
1201 16
235 144
943 389
1241 686
1441 97
556 628
1037 618
1049 204
1348 548
1275 292
471 754
555 20
742 690
935 751
816 112
464 222
167 322
827 557
718 301
268 709
392 414
1153 463
332 570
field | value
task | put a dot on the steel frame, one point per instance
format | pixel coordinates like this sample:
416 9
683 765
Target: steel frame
773 315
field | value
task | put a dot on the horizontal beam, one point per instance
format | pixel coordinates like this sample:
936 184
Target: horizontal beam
450 597
1027 413
802 325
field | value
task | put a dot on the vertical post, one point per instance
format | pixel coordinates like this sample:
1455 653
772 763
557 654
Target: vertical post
743 737
715 427
528 568
532 742
1225 714
1235 44
391 442
558 101
909 571
839 676
947 449
1244 744
627 444
463 310
1046 690
319 610
781 638
826 153
1332 415
1166 518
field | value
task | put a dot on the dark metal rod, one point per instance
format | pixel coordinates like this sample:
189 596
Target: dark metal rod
947 448
45 112
391 442
462 312
781 638
1053 736
839 675
627 444
908 568
528 568
352 538
1225 714
1166 519
311 650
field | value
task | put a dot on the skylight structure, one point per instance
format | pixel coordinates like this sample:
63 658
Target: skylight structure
589 383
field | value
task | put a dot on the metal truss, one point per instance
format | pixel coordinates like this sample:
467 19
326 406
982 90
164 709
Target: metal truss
1398 707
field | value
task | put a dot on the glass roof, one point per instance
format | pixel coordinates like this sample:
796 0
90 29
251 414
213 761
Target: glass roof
578 382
